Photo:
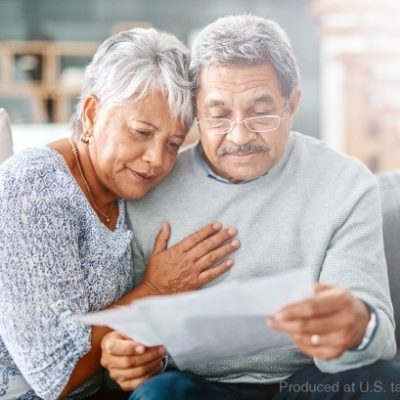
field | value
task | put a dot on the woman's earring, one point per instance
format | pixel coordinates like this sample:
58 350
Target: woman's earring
85 137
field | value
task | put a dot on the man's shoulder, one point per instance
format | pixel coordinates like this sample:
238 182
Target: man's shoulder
186 156
173 187
326 161
183 170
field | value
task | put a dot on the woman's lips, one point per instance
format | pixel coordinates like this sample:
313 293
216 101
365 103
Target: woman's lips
142 177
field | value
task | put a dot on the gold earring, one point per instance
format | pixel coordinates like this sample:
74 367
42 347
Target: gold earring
85 137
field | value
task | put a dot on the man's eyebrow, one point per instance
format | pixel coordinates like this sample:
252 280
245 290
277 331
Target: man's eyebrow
264 98
214 103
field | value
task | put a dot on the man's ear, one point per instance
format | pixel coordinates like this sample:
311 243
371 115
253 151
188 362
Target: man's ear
90 107
294 102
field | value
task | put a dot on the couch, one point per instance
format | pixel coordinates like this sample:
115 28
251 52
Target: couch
390 189
6 144
390 193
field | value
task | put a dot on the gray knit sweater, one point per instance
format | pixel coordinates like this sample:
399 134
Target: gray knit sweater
314 208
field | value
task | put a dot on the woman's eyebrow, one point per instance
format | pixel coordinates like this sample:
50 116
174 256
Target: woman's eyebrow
147 123
175 135
178 136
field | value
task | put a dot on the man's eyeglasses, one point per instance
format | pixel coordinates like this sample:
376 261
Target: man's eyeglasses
223 126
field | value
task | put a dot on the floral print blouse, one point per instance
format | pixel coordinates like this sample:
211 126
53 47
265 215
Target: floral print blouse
57 261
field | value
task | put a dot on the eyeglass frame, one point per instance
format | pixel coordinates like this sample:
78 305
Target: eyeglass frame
243 121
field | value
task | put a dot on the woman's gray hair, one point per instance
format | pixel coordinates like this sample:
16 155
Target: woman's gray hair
246 40
134 63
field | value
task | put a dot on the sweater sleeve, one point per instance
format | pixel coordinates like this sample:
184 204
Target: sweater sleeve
41 279
355 260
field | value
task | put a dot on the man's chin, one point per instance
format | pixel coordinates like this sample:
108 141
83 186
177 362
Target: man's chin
248 174
243 158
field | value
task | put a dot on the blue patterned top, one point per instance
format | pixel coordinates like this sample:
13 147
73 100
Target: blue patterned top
57 260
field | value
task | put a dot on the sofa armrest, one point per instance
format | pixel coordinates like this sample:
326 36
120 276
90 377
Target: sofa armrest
6 144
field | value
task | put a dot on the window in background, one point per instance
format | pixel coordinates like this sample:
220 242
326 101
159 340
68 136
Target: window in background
360 72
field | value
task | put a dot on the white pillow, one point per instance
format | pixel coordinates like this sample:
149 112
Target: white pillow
6 145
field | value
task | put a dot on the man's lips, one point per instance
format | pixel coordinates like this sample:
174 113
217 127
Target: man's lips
242 156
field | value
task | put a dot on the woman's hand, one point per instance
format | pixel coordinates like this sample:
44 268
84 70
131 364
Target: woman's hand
129 363
191 263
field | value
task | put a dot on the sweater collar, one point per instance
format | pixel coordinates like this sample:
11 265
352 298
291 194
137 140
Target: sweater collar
206 170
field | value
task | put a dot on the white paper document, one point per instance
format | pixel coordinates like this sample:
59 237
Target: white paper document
226 320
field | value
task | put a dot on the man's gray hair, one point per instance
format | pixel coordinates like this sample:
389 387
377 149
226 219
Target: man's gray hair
134 63
246 40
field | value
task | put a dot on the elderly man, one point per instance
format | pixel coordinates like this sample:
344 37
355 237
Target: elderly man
295 203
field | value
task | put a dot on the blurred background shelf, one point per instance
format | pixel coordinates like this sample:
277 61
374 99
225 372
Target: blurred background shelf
348 53
46 75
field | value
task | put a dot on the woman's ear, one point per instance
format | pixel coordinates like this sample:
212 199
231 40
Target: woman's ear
90 107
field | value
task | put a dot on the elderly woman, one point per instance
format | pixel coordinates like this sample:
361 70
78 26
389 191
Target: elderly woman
64 240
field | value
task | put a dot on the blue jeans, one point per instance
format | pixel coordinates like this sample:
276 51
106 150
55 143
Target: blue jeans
379 381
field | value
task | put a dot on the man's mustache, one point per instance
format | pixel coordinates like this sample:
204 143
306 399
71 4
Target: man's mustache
247 148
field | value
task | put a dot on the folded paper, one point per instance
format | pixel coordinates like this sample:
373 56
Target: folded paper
226 320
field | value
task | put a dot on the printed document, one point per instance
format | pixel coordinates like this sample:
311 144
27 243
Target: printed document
222 321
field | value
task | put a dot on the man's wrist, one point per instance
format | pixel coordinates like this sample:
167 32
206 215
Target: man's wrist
369 327
369 331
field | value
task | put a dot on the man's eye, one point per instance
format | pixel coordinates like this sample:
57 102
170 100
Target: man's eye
261 114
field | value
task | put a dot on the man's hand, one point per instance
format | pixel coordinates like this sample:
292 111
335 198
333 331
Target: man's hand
128 362
327 324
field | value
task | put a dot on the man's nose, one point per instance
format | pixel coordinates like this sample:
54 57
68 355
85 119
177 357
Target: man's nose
240 134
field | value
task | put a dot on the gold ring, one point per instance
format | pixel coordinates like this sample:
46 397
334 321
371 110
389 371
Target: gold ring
315 340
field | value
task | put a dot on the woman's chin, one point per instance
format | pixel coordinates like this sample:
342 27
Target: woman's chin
135 192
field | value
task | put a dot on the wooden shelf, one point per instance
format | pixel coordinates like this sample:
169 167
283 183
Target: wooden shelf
37 71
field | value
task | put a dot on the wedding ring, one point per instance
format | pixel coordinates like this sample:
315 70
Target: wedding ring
315 340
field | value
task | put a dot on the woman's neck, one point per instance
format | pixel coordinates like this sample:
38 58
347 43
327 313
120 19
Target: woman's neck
102 200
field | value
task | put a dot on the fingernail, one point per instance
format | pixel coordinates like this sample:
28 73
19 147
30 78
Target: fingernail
235 243
279 316
139 349
232 231
161 351
217 225
229 263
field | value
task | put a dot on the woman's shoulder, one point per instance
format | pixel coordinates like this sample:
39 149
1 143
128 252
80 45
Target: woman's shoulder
32 160
36 169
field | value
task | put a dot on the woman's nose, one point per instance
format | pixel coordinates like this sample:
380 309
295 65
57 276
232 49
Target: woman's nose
153 154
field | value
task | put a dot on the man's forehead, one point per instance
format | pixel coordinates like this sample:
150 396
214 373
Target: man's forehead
259 80
217 98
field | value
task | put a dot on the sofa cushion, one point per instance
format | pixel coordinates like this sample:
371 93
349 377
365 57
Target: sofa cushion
6 145
390 193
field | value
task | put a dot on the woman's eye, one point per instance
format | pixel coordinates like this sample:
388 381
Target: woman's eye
174 146
141 133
